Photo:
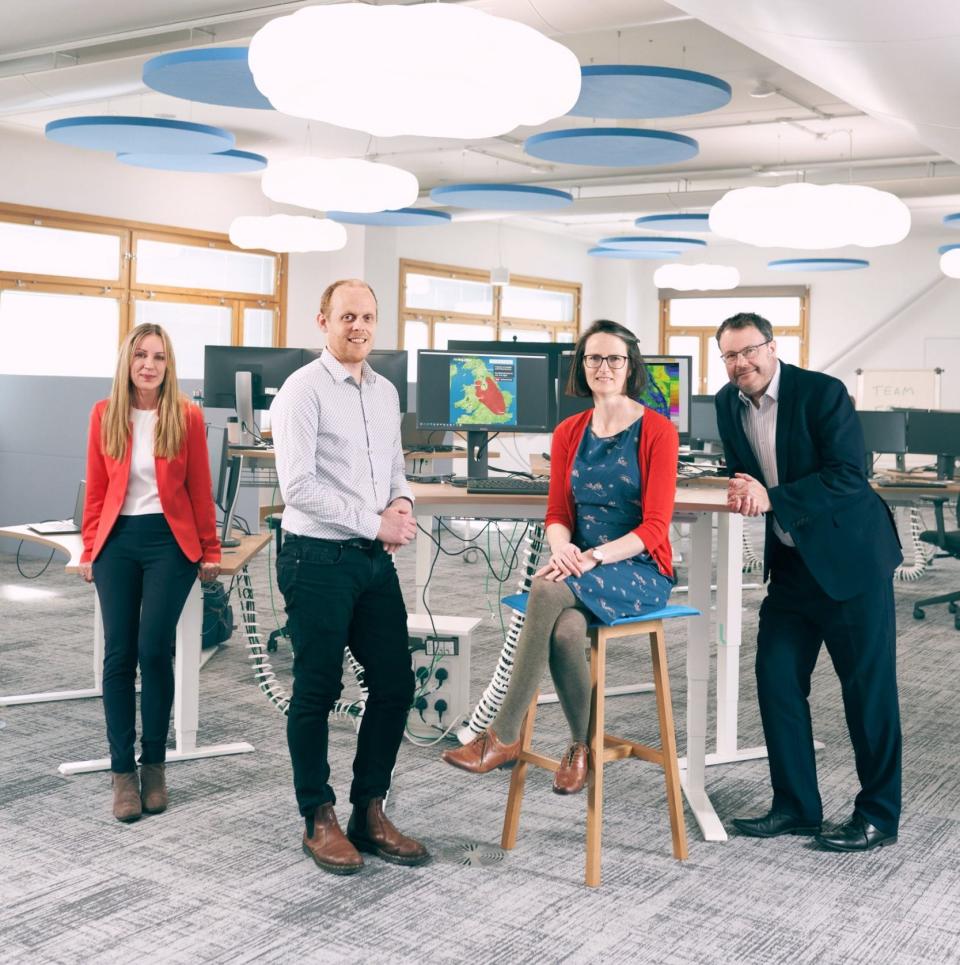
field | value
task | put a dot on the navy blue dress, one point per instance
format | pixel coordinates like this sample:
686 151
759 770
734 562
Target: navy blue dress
607 487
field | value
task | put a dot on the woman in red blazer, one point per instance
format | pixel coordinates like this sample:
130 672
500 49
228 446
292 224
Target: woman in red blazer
613 479
149 527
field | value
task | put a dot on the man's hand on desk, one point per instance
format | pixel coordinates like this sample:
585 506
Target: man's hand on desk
747 496
397 525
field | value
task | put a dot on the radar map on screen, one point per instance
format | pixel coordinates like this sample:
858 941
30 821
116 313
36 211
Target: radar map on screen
483 390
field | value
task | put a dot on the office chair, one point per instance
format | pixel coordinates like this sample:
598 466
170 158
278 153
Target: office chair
949 542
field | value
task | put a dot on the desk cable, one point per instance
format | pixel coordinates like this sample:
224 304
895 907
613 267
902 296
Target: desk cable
33 576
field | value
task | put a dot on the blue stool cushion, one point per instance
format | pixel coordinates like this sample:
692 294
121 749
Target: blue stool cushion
518 602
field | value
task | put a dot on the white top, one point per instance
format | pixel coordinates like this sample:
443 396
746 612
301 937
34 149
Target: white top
143 497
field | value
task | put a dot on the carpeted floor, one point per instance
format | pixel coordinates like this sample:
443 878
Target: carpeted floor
221 878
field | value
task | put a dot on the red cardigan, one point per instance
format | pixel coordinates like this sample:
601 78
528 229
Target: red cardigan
183 483
657 455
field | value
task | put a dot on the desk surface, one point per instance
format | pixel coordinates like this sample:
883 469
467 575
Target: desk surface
70 543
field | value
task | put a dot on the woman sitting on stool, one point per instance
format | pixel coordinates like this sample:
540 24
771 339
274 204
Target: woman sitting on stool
149 524
612 485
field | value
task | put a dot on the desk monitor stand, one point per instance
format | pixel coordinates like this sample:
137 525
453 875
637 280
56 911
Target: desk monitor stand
476 455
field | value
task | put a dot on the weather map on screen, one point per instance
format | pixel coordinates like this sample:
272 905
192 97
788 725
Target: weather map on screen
483 390
662 391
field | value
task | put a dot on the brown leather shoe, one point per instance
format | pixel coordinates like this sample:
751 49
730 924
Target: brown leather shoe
126 797
572 773
370 830
484 753
328 846
153 788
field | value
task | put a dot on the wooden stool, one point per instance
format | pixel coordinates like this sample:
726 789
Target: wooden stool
604 747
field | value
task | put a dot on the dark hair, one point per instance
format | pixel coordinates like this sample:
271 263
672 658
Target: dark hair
327 295
636 370
747 320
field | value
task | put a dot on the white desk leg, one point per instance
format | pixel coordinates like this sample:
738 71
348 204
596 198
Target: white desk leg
98 643
729 629
698 673
425 553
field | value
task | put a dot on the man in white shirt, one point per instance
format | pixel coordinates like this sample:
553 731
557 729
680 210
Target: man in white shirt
336 431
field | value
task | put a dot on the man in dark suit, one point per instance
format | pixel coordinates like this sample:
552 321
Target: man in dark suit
795 453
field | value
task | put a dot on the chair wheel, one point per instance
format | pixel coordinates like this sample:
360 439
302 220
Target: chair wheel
952 607
918 614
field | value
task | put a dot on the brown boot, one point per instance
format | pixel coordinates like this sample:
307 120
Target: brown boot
153 788
371 831
126 797
572 773
484 753
328 845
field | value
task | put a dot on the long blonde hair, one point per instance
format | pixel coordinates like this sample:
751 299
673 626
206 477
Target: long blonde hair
171 421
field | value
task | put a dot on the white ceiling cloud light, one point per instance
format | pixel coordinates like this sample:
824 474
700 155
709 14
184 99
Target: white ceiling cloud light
285 232
811 216
700 277
950 260
339 184
435 70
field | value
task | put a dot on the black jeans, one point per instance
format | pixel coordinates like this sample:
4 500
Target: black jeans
143 580
338 596
796 618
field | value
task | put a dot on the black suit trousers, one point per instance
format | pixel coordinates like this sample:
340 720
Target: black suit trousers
860 635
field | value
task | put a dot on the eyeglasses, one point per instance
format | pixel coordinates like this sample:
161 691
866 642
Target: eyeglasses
749 353
613 361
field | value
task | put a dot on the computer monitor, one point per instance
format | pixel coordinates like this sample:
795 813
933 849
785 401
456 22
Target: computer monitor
484 392
233 466
884 432
217 443
392 365
703 420
553 350
668 390
935 433
269 368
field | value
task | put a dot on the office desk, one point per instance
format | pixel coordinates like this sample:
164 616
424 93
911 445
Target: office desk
186 702
697 506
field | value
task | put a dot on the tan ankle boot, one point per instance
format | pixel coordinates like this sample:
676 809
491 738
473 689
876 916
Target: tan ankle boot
153 788
328 845
126 797
370 830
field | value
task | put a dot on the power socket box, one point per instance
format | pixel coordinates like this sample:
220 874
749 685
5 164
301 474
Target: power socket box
440 644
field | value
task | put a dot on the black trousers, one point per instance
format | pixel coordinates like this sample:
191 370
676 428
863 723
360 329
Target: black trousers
337 596
143 580
860 635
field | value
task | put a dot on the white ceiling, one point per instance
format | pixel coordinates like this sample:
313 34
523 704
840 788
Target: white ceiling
859 95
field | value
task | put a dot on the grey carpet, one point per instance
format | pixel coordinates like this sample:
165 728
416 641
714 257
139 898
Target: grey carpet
220 877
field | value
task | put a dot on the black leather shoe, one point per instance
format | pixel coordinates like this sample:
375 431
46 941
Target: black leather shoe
774 824
856 835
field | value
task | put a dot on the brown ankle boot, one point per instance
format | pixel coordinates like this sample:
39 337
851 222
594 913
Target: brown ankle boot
572 773
484 753
153 788
126 797
328 846
370 830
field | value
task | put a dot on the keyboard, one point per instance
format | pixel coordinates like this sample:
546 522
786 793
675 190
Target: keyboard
913 483
509 486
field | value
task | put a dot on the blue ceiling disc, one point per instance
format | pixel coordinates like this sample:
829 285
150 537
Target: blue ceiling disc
399 218
501 197
943 249
650 254
952 220
224 162
211 75
674 222
139 135
622 91
611 147
818 264
651 242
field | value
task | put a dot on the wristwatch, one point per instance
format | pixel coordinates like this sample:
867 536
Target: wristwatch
597 556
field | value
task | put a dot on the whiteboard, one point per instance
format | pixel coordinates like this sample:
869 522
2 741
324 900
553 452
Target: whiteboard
898 388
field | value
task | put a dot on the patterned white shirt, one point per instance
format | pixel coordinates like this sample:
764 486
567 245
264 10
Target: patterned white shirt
760 426
337 442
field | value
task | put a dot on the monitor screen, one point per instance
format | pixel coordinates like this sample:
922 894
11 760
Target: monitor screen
217 444
668 390
392 365
553 350
884 431
490 392
933 433
268 366
703 419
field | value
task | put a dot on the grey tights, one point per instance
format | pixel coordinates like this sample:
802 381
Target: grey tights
555 630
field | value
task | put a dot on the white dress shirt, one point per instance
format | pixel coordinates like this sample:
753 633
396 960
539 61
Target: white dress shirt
760 426
338 453
143 496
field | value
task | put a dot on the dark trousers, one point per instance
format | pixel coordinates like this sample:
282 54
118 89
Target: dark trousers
860 636
143 580
341 596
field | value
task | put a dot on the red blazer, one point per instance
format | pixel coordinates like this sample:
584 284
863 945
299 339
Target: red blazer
657 455
183 482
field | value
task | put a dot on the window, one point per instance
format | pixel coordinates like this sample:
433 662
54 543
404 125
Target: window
689 321
439 303
72 286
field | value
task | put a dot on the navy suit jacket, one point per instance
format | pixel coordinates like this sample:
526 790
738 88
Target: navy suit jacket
843 530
